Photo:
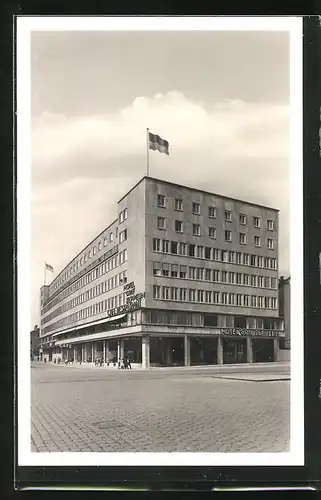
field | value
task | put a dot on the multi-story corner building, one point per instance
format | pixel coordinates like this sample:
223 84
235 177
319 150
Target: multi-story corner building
35 343
285 312
182 276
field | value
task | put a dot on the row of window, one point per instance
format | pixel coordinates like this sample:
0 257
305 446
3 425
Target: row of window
104 268
212 212
108 238
211 233
88 312
158 317
210 253
218 276
103 287
212 297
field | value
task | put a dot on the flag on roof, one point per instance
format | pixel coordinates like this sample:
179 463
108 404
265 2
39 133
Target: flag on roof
156 143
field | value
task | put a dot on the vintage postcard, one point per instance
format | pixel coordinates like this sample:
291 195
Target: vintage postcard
160 241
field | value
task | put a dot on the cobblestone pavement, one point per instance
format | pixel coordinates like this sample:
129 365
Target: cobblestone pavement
80 410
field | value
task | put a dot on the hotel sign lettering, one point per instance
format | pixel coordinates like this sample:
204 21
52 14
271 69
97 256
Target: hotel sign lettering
133 301
243 332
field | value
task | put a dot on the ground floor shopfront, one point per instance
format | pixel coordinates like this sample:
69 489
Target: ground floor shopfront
170 350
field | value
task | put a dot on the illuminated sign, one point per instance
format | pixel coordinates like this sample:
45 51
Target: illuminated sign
244 332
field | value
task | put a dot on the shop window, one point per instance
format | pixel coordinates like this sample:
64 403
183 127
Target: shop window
239 322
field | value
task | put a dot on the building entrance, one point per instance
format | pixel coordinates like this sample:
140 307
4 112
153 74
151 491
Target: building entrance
263 350
203 351
234 351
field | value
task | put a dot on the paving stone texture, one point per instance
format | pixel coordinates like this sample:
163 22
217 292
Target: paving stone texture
194 410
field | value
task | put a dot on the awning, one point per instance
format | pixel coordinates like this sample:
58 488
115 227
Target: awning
92 336
93 323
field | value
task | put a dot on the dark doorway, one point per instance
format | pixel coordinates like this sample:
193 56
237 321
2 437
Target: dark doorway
203 351
263 350
234 351
178 351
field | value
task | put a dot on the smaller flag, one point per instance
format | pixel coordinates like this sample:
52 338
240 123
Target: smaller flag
156 143
49 267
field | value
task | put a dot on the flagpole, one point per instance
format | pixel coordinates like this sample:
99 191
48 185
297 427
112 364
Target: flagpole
147 144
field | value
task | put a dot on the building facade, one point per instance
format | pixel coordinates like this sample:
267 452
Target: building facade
35 355
285 312
181 277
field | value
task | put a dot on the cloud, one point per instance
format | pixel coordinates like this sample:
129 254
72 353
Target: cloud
81 166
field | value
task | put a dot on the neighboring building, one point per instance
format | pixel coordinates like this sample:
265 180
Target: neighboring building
182 276
34 344
285 312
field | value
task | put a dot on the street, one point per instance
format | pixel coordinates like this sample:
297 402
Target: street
209 409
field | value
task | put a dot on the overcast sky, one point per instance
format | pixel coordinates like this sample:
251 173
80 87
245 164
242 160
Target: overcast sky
221 99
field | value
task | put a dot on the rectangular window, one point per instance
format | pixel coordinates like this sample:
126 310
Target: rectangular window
208 252
224 276
178 204
174 293
160 223
228 216
270 225
270 244
196 230
232 299
161 200
224 256
111 237
246 279
273 283
256 222
174 270
267 282
242 239
238 278
208 297
165 269
199 273
216 297
267 262
253 280
253 301
246 259
273 263
165 292
182 272
212 232
260 281
208 274
212 212
156 246
182 294
246 300
200 295
182 248
200 252
238 258
266 302
231 278
165 246
260 261
174 247
123 236
224 298
216 275
257 241
253 259
238 299
196 209
192 273
192 295
242 219
260 302
157 269
216 254
191 250
178 226
273 303
231 257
